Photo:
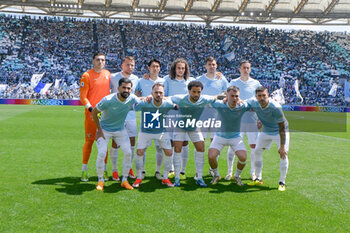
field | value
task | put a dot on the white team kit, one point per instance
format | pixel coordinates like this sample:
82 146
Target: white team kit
130 122
249 119
118 121
213 87
114 113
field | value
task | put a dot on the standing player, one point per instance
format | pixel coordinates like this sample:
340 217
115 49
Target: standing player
275 128
114 108
191 107
249 125
213 84
156 108
94 85
144 88
230 114
176 83
128 65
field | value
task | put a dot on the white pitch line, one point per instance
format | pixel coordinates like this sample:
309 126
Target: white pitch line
330 137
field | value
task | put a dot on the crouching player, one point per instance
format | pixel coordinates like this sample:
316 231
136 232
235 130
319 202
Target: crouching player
114 108
275 128
230 114
152 129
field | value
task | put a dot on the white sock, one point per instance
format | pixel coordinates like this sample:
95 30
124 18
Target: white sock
252 162
258 163
230 160
114 159
132 153
172 161
159 157
238 173
185 155
126 164
167 166
199 164
138 165
284 163
100 164
177 164
216 172
84 167
144 161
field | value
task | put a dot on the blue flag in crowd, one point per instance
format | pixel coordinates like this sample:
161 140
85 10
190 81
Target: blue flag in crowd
39 87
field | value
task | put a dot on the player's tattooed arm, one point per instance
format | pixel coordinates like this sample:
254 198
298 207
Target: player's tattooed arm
99 132
282 132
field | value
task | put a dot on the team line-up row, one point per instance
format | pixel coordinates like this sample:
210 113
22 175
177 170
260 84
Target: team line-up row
245 102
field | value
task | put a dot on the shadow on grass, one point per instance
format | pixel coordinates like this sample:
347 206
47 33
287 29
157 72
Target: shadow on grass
73 185
231 186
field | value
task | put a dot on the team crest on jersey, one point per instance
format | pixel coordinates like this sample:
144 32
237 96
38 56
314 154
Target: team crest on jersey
82 84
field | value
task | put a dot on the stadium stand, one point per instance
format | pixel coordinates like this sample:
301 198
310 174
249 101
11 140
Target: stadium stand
62 47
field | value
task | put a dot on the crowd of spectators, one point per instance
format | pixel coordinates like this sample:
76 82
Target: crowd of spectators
63 47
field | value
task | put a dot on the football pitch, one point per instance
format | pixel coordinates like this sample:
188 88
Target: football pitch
40 168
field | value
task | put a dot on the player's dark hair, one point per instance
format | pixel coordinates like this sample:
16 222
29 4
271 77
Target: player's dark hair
124 80
260 89
243 62
194 84
172 71
209 59
98 54
157 85
232 88
127 58
153 60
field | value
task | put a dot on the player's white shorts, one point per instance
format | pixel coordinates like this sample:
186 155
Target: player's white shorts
131 127
144 139
265 140
219 143
171 135
212 113
180 135
211 132
251 130
121 138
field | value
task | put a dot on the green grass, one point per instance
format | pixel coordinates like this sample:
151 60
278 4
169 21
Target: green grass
40 167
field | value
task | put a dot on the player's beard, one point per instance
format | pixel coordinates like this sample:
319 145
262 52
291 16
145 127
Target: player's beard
125 94
195 98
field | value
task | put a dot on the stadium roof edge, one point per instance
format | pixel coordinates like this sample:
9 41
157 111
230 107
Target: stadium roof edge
316 12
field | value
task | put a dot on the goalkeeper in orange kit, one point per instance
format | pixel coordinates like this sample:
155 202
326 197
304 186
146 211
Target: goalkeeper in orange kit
94 85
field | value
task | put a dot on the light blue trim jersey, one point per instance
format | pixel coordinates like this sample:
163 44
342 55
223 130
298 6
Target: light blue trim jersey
145 85
115 83
230 119
175 86
213 86
247 91
150 125
114 111
190 110
269 116
117 76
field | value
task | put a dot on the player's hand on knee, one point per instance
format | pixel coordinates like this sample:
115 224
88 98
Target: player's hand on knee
282 152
